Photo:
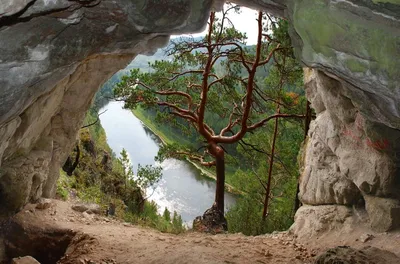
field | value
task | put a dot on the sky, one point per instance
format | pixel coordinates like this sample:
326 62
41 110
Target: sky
244 22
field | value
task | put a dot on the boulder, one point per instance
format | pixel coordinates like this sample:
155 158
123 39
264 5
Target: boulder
348 255
348 157
384 213
90 208
366 237
43 204
315 221
24 260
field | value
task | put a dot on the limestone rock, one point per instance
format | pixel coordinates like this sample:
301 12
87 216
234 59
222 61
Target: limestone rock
54 55
79 207
384 213
276 7
348 158
352 151
24 260
52 62
313 221
43 204
366 237
345 39
10 7
33 172
348 255
87 217
90 208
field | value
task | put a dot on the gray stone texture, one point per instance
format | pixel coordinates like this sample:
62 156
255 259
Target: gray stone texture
313 221
349 157
348 255
54 55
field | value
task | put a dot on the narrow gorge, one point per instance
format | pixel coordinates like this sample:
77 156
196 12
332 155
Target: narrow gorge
55 55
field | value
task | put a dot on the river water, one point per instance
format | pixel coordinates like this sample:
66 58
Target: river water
182 188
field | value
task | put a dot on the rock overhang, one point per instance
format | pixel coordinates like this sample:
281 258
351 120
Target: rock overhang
53 52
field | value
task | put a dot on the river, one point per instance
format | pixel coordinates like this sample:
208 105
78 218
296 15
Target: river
182 188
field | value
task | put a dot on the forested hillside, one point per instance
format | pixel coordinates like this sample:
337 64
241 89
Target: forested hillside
94 174
262 165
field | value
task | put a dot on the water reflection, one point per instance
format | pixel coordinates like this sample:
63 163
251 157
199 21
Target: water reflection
182 187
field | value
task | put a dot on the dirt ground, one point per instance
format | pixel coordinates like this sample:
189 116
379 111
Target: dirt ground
100 239
112 241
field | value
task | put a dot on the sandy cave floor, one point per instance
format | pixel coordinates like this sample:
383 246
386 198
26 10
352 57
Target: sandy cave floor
107 240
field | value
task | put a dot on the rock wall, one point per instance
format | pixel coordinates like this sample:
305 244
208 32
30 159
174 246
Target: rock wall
349 161
55 54
352 157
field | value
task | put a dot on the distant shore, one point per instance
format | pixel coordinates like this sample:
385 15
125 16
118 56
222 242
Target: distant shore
165 141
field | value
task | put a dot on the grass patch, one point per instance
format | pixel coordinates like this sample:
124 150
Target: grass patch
64 184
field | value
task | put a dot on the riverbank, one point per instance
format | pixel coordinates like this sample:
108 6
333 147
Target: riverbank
99 177
182 188
166 140
153 128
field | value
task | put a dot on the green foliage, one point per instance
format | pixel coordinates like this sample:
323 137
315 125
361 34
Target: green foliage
150 217
148 175
103 179
245 217
93 194
177 224
63 185
157 95
167 215
126 165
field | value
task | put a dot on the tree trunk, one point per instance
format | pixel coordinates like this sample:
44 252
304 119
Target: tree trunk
308 119
307 122
68 166
220 188
78 153
271 163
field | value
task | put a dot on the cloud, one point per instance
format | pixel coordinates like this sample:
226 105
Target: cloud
245 21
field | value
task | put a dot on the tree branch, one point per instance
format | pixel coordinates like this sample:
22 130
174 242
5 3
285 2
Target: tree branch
97 120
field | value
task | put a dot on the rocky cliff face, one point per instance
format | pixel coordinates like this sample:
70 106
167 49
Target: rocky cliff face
352 157
55 54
